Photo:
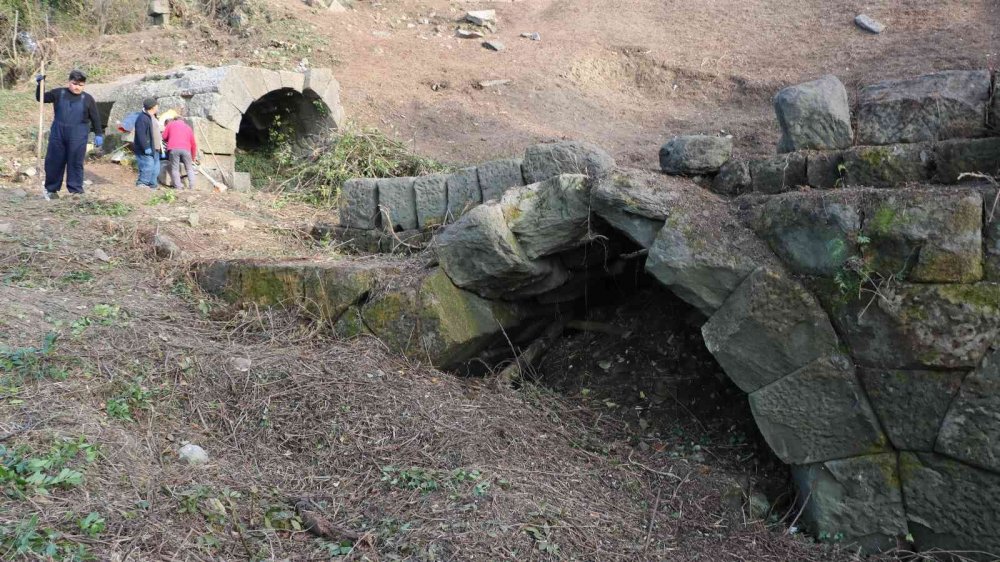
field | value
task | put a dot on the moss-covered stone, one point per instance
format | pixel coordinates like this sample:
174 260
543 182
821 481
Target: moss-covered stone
779 174
926 236
430 319
917 326
350 324
971 430
887 166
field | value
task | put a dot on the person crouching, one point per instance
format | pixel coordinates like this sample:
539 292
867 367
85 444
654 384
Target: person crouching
182 148
144 144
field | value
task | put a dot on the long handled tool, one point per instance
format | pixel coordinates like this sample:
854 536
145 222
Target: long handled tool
41 123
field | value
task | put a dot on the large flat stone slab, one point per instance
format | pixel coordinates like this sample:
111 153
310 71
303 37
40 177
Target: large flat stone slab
854 501
769 327
818 413
937 106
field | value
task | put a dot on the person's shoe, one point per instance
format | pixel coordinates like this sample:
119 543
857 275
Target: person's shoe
50 195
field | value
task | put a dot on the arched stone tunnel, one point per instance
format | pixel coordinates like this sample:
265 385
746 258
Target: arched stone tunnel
860 322
229 107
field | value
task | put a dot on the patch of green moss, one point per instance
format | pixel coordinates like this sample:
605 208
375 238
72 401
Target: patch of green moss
268 286
875 157
350 325
947 267
984 296
883 220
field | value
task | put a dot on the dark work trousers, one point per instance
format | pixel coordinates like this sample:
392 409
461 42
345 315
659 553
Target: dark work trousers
67 146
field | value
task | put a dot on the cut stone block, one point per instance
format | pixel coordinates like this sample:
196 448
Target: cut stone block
211 137
695 154
956 157
938 106
463 192
543 161
825 170
636 203
917 326
780 174
924 236
431 194
854 501
397 203
768 328
971 429
816 414
497 176
359 204
733 178
887 166
911 404
951 506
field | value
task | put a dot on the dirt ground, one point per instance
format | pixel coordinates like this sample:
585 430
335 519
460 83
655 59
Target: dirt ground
624 447
626 75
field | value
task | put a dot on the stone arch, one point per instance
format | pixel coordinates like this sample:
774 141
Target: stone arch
222 102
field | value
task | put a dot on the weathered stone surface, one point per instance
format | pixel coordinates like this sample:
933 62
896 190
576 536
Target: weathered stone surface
733 178
955 157
856 500
933 107
397 203
812 233
927 236
769 327
430 319
542 161
917 326
814 116
350 324
636 203
480 253
702 253
971 429
359 204
211 137
695 154
951 506
991 235
431 194
824 170
911 404
497 176
887 166
463 192
549 217
816 414
324 289
779 174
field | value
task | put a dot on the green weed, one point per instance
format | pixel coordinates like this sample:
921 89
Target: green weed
132 399
31 362
23 474
166 196
25 540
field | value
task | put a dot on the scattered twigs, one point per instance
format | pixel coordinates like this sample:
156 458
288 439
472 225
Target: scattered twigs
652 520
530 356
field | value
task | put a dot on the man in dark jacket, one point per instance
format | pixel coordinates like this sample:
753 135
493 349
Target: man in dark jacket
147 158
75 115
